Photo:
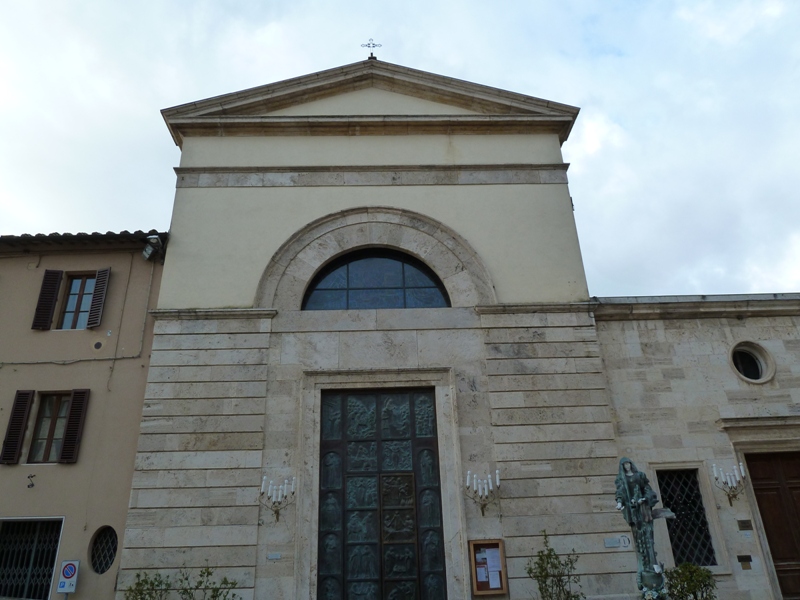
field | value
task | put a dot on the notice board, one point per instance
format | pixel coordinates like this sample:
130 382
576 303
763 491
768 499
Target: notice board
487 559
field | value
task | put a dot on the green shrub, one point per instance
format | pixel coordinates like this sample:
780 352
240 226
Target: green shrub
148 588
690 582
202 588
553 575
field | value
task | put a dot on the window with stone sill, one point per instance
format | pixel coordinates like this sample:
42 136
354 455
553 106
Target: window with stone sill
57 430
375 278
689 533
82 305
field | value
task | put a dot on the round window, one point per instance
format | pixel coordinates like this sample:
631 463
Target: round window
752 362
104 549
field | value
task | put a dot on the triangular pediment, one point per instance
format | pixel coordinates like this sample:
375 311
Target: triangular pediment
370 101
359 94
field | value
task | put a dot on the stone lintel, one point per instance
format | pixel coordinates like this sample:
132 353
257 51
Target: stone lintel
213 313
751 423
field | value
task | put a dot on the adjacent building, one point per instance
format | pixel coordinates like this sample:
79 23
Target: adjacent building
76 340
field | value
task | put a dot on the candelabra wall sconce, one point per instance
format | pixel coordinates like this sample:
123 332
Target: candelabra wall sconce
482 491
731 483
278 496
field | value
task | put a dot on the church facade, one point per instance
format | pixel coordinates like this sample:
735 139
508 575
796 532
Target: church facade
377 371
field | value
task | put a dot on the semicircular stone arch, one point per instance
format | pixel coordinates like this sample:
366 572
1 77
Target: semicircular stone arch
301 257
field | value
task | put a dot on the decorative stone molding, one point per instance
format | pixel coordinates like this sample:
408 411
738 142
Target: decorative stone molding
697 307
517 309
215 313
450 256
215 177
454 520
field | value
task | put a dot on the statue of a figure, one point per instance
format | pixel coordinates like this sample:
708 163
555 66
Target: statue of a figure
636 499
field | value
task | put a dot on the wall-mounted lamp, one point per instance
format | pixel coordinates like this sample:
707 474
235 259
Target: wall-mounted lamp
154 247
482 491
278 496
30 479
730 483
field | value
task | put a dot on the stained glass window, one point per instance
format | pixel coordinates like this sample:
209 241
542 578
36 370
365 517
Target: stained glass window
375 278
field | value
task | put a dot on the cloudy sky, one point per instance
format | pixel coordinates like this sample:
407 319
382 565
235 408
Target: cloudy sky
684 160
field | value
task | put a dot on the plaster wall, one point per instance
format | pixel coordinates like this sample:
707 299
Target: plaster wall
223 238
355 150
93 492
674 388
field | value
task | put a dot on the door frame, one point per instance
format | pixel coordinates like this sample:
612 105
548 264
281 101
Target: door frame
454 525
762 435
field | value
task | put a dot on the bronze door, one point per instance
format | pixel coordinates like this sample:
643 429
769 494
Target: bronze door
776 483
380 509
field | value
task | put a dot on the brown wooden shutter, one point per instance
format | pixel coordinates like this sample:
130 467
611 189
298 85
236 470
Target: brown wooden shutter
48 296
74 428
12 445
99 298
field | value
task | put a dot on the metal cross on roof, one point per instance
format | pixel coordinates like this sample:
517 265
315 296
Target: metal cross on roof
371 45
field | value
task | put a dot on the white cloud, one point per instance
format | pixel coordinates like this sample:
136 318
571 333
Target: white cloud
728 22
682 160
775 273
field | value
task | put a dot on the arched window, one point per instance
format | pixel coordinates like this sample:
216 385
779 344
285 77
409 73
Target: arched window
375 278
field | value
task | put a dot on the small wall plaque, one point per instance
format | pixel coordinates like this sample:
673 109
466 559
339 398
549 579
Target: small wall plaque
487 559
611 542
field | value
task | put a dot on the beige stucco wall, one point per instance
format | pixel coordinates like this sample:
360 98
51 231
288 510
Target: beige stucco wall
355 150
94 491
223 238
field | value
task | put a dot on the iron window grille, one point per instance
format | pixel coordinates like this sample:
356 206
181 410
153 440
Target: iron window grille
689 534
27 558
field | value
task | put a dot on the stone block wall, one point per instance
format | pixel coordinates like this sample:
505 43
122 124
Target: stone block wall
554 440
233 395
679 403
199 458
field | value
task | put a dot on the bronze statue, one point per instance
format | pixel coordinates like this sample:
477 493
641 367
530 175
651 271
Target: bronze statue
636 499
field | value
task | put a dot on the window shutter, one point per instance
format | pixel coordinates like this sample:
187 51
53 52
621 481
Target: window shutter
74 428
48 295
99 298
12 445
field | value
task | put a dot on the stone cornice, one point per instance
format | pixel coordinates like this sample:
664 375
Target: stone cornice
369 125
202 177
743 307
553 307
213 313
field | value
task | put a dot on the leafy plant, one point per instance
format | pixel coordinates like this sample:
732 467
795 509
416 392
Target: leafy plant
148 588
553 575
690 582
202 588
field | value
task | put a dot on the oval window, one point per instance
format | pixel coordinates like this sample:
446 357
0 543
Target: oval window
752 362
104 549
